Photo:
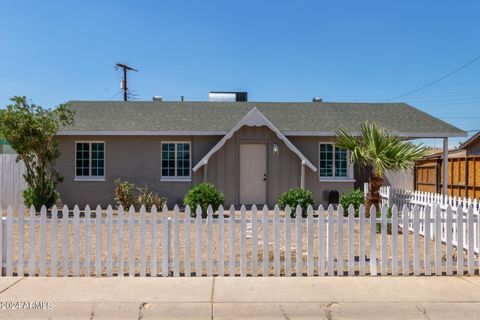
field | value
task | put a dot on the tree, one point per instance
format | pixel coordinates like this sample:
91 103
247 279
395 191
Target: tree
382 150
31 130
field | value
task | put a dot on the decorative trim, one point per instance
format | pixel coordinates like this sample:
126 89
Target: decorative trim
254 118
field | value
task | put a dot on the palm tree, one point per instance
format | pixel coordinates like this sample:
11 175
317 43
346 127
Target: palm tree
383 151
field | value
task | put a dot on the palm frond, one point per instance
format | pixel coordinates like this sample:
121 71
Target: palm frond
380 148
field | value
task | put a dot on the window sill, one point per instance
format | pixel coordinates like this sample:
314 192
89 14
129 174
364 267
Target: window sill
174 179
336 180
89 179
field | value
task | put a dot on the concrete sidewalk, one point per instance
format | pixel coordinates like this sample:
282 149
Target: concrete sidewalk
240 298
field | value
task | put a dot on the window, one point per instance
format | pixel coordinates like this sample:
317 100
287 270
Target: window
176 160
90 160
333 161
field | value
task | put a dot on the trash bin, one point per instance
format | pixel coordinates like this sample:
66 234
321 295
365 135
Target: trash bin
331 197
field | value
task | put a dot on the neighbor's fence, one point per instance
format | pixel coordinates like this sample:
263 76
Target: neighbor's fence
12 182
410 199
267 242
463 175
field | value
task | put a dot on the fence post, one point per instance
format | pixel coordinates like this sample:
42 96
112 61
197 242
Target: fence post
4 244
389 196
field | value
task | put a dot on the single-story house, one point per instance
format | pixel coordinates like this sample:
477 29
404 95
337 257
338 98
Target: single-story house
251 151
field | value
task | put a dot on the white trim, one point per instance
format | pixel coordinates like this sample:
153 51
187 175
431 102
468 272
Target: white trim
357 133
335 178
90 177
222 133
175 177
329 180
254 118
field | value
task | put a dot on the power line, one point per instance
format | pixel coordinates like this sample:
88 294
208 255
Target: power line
116 94
436 81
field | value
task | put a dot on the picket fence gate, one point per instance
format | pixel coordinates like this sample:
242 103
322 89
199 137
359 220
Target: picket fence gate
260 242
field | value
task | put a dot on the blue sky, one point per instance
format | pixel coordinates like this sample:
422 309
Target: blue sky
55 51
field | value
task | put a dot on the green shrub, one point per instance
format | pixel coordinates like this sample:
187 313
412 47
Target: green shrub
148 199
294 197
124 193
36 197
203 194
353 197
389 225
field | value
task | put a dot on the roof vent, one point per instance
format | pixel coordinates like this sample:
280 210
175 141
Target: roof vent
157 98
317 99
227 96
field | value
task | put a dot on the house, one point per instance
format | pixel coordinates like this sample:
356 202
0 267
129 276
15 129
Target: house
252 151
471 146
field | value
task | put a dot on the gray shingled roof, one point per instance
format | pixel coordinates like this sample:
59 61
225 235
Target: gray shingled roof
289 117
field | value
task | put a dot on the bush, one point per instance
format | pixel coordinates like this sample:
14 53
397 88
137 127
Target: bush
353 197
148 199
203 194
294 197
389 225
125 196
36 197
124 193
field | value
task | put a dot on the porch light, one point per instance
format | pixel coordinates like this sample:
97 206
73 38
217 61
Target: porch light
275 149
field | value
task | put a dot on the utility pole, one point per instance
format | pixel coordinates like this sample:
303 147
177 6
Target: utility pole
124 81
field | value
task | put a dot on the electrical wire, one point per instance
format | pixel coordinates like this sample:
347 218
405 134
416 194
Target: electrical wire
116 94
437 80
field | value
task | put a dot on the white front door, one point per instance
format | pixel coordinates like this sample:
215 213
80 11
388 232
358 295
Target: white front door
253 173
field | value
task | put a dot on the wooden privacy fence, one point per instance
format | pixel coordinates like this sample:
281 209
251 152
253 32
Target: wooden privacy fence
463 176
12 182
267 242
410 199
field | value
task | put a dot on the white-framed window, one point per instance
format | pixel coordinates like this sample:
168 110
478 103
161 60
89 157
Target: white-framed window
176 160
89 160
333 162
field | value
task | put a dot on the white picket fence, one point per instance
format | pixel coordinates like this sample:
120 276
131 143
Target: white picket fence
410 199
264 242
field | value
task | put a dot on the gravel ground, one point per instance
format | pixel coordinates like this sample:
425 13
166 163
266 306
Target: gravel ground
85 243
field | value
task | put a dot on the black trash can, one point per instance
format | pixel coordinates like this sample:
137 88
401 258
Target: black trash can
331 197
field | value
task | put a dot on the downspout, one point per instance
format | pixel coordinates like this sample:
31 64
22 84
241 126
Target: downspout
205 171
302 175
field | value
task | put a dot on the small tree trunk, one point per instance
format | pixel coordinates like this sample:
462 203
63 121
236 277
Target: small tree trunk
373 196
